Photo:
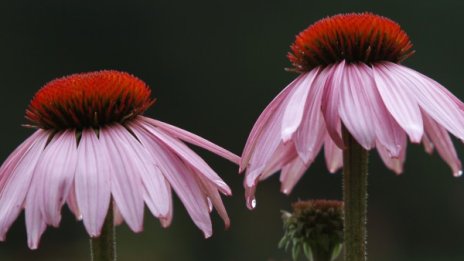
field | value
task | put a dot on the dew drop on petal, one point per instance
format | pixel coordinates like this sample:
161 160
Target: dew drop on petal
251 202
458 173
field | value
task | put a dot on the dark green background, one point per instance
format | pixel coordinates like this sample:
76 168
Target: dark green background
214 66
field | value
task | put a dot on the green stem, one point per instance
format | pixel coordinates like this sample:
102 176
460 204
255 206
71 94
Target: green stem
355 160
103 248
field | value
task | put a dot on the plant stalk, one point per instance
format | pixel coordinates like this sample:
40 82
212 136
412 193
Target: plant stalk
355 161
103 248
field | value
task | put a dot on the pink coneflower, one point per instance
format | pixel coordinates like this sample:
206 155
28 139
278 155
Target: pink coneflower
351 96
93 148
351 76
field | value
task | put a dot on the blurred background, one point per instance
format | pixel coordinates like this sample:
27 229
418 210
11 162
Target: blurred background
214 66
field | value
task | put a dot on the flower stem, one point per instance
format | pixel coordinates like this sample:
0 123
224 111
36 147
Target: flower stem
355 159
103 248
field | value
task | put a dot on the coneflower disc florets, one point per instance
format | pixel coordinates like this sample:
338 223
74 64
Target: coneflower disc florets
89 100
364 37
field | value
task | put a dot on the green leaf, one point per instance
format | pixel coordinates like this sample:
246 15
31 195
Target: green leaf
307 251
336 251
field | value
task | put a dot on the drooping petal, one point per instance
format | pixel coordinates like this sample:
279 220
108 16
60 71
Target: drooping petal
387 130
16 182
213 194
184 152
331 102
181 179
399 100
57 166
156 188
17 156
126 183
428 145
333 155
283 155
355 108
443 143
250 196
291 174
93 181
35 222
437 104
118 219
267 121
157 193
193 139
393 163
293 114
310 135
167 218
72 202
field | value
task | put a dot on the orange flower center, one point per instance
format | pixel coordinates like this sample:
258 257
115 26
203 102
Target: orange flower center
89 100
353 37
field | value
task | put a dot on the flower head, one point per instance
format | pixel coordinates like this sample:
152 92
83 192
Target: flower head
93 148
350 77
314 227
363 37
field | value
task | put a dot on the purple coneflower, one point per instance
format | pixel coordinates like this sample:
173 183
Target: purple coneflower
95 151
351 77
351 90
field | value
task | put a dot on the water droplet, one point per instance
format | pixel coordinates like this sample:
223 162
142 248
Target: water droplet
79 217
458 173
251 202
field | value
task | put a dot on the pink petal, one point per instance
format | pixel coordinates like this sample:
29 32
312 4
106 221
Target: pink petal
355 108
284 154
181 179
266 149
117 216
399 100
291 174
167 218
310 135
156 188
126 182
93 182
250 197
267 120
458 102
57 166
293 114
432 99
333 155
157 194
443 143
16 182
393 163
428 145
211 190
35 223
184 152
387 130
193 139
17 156
331 102
72 202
